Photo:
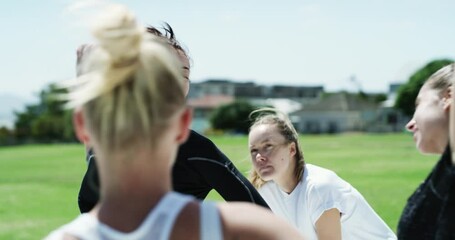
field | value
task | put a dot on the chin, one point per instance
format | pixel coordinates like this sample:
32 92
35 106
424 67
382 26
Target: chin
266 176
429 150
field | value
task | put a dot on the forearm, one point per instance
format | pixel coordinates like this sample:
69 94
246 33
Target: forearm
247 221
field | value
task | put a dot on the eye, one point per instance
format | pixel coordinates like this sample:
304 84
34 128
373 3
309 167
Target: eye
253 151
268 146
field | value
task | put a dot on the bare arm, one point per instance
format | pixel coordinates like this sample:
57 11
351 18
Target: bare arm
328 226
248 221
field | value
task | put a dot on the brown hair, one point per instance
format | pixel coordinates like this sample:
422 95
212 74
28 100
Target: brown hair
170 38
286 129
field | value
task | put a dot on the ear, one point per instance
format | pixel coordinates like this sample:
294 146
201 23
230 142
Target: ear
292 149
447 99
79 127
184 125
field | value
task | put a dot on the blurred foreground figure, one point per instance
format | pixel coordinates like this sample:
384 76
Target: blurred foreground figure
200 166
130 107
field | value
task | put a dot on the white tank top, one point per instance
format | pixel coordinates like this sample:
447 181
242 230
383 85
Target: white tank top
157 225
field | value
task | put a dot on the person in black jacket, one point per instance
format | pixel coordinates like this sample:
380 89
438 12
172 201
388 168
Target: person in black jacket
200 166
430 211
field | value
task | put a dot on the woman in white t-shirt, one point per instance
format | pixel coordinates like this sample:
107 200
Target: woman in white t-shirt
315 200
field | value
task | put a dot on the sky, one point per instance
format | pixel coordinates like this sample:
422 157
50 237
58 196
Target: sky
289 42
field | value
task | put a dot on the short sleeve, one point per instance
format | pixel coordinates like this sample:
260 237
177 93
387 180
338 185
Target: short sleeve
328 193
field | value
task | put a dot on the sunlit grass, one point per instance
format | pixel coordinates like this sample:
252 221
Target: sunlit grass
39 183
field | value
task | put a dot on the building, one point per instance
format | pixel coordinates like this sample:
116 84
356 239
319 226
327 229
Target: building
206 96
250 90
339 112
390 119
203 107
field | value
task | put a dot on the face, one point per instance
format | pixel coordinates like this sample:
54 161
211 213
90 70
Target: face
186 69
430 121
271 155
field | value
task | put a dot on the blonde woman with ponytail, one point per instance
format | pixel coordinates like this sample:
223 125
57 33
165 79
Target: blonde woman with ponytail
315 200
132 94
430 211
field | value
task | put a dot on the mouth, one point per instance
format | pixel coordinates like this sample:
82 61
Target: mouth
265 168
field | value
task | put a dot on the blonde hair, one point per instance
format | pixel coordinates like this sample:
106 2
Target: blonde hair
130 83
442 79
286 129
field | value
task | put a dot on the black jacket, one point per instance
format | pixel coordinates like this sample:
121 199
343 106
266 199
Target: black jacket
200 167
430 211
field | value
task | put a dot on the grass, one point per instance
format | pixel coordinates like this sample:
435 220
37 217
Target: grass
39 183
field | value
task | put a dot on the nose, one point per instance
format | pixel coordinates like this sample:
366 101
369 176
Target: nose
260 158
411 125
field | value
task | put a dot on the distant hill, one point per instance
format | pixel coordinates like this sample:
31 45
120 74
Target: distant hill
8 104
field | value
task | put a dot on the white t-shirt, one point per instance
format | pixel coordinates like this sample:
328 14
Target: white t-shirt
157 225
320 190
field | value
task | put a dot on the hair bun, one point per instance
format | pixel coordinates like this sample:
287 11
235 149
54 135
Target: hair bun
118 34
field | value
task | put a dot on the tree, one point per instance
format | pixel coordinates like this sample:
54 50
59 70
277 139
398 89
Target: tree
232 117
23 123
46 121
6 136
408 92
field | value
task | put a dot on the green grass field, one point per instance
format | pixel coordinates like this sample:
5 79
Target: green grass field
39 183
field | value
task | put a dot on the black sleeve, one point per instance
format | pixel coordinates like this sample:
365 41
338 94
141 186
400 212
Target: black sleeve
200 167
89 191
220 173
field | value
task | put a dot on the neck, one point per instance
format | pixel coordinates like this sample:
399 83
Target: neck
131 188
288 184
288 180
